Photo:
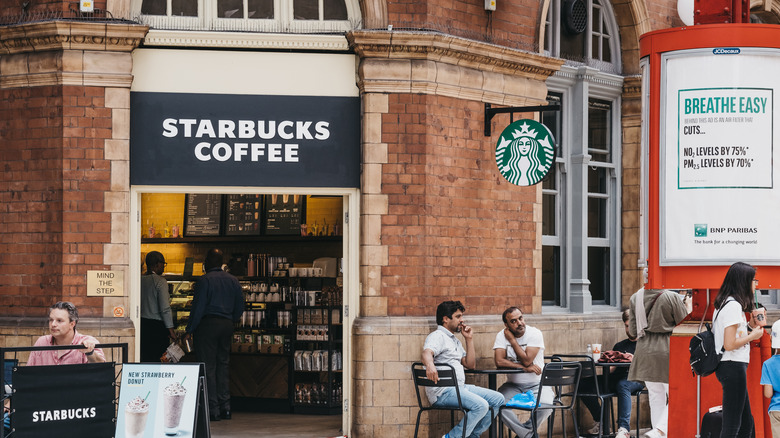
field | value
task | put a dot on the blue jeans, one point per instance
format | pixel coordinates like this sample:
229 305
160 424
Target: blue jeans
624 389
477 401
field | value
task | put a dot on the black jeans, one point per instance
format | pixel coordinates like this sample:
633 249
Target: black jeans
737 419
212 347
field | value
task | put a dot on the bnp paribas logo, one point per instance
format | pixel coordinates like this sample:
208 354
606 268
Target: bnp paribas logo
525 152
700 230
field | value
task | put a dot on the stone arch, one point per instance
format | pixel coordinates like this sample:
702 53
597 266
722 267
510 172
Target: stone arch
374 13
632 20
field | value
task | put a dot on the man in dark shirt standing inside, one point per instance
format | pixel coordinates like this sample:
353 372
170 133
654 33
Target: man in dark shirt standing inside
218 303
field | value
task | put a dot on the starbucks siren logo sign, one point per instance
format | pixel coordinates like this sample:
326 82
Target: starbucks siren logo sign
524 152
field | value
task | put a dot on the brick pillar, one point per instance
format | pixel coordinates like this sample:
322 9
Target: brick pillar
437 220
64 119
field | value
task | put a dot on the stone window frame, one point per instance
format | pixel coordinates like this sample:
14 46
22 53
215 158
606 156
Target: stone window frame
284 21
576 84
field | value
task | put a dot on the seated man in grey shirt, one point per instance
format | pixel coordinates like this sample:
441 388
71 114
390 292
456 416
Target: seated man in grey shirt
444 347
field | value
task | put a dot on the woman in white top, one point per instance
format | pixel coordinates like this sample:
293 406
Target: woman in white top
733 333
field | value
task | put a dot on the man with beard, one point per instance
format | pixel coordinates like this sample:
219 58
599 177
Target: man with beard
443 346
619 384
521 346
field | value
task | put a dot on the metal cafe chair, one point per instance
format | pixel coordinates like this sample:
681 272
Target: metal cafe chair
638 394
590 376
563 378
447 378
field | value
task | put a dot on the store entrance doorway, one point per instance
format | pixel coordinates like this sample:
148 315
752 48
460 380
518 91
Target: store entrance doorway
291 253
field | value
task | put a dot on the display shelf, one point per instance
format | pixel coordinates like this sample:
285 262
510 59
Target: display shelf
240 239
280 355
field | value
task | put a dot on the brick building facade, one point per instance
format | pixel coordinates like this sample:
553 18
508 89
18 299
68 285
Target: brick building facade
436 221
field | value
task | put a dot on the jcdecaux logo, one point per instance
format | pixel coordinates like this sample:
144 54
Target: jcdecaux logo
726 51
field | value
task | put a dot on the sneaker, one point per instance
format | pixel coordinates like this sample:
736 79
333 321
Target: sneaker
622 433
594 430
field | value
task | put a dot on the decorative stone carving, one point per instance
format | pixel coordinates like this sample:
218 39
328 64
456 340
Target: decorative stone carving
65 35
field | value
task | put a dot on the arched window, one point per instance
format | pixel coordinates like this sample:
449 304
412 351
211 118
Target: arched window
279 16
581 196
584 32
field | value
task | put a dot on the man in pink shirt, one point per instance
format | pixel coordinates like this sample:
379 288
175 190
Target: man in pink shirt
63 317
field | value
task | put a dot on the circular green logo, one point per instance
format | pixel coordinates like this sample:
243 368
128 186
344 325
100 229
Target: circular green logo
525 152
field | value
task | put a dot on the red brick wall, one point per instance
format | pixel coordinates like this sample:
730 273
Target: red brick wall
514 23
455 229
12 11
52 224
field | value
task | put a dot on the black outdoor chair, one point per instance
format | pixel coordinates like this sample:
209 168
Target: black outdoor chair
563 378
590 376
447 378
638 394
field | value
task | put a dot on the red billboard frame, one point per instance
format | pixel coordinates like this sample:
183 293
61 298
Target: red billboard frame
652 46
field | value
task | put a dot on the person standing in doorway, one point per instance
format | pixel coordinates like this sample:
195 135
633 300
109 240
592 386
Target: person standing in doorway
733 333
217 304
156 317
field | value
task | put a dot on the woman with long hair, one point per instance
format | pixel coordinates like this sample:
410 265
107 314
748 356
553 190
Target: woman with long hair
733 335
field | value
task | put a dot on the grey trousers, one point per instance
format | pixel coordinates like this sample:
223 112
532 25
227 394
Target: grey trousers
509 416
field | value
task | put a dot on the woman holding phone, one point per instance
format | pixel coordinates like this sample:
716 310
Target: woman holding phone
733 334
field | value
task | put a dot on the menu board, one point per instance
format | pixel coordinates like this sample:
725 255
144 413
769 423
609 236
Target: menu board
244 214
283 214
204 213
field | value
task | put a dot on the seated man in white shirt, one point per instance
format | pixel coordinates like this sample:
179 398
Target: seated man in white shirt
521 346
442 346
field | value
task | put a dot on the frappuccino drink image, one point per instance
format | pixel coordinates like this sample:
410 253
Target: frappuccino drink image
136 413
173 402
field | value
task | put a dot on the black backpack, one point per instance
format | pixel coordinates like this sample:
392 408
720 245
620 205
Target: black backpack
704 359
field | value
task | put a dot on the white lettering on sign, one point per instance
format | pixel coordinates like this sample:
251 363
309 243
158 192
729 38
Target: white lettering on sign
272 152
263 129
63 414
247 129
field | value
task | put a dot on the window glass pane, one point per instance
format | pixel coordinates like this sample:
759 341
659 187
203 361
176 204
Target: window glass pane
551 269
230 9
548 214
306 9
599 274
260 9
335 10
606 54
597 217
154 7
184 8
573 46
552 120
599 137
550 182
597 180
594 49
